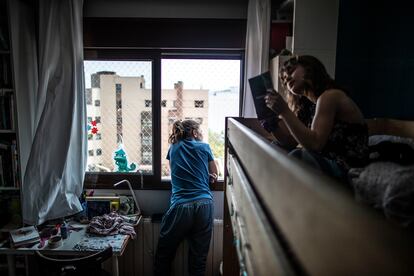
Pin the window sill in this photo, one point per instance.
(148, 185)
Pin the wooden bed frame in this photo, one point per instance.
(284, 218)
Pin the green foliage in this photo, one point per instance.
(216, 141)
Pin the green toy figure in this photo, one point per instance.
(122, 162)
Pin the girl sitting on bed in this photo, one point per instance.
(320, 117)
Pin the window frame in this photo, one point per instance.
(154, 181)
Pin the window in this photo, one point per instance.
(113, 81)
(118, 88)
(204, 90)
(89, 96)
(199, 104)
(146, 138)
(146, 157)
(134, 123)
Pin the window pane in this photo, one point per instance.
(203, 90)
(119, 116)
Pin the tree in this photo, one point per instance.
(216, 141)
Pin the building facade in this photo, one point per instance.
(122, 109)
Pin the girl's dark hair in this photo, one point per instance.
(182, 130)
(316, 77)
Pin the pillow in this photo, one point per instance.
(376, 139)
(399, 153)
(387, 186)
(391, 148)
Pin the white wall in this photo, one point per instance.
(231, 9)
(157, 201)
(315, 26)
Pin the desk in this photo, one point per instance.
(68, 248)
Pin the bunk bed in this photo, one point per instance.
(284, 218)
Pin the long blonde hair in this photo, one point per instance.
(182, 130)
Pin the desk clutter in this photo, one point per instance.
(24, 236)
(96, 243)
(104, 221)
(111, 224)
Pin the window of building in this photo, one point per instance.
(98, 119)
(97, 103)
(198, 104)
(88, 96)
(146, 137)
(146, 157)
(139, 124)
(118, 88)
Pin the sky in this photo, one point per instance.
(195, 73)
(214, 75)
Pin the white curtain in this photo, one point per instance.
(257, 48)
(53, 178)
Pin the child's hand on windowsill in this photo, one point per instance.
(212, 177)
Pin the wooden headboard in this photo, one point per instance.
(391, 127)
(284, 218)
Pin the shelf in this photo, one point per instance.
(10, 226)
(9, 189)
(7, 131)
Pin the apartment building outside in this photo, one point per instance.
(121, 106)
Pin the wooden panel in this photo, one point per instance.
(164, 33)
(149, 250)
(329, 233)
(230, 261)
(391, 127)
(217, 241)
(258, 243)
(139, 251)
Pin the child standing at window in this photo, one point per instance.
(190, 215)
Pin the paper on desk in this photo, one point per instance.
(97, 243)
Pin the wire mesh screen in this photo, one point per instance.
(203, 90)
(118, 100)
